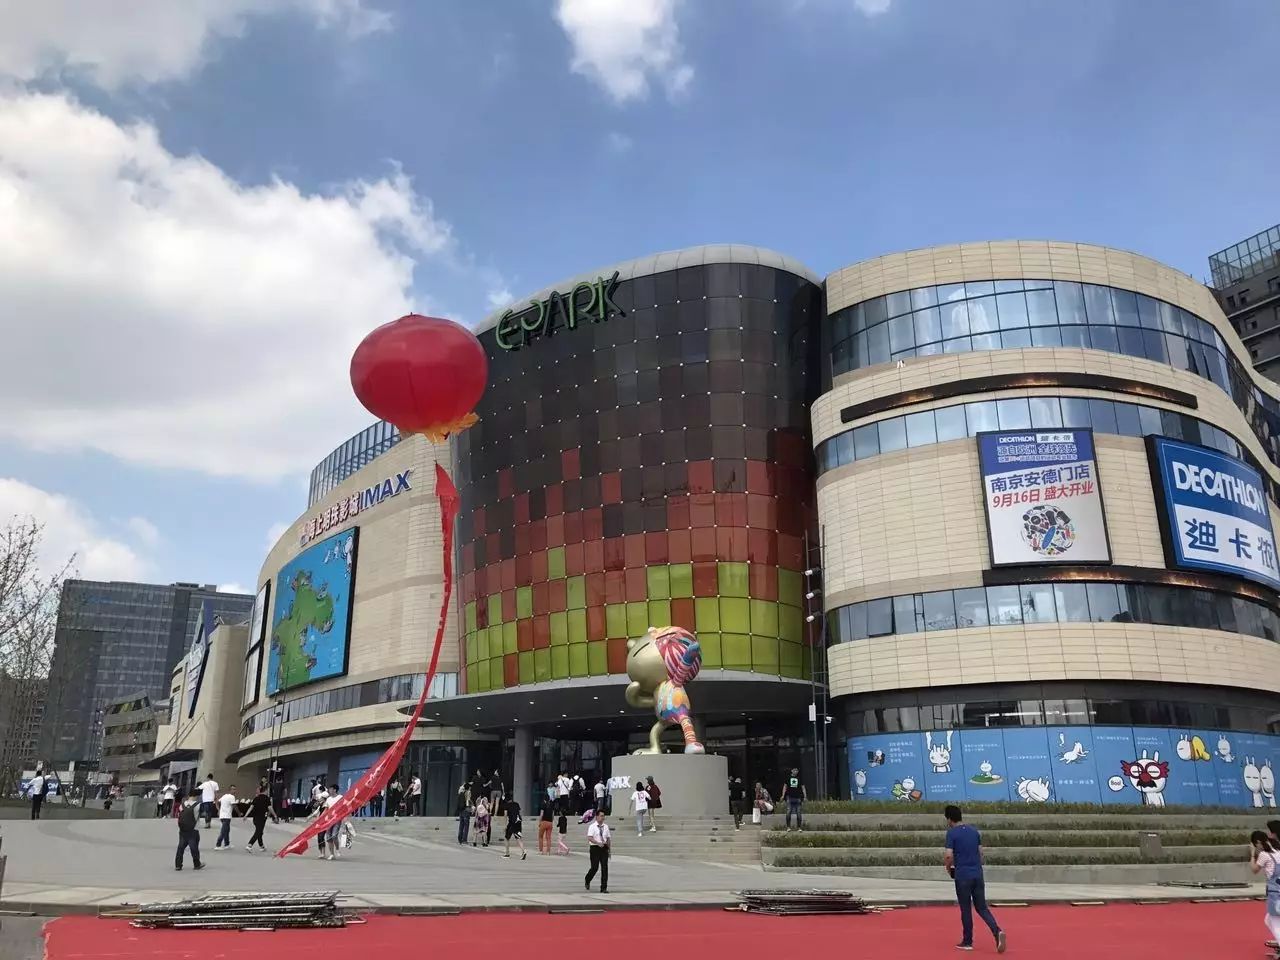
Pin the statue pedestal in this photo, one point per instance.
(693, 785)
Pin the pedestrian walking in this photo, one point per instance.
(317, 788)
(640, 806)
(563, 826)
(1264, 858)
(330, 835)
(259, 810)
(395, 798)
(599, 791)
(36, 791)
(415, 796)
(599, 841)
(208, 796)
(375, 803)
(496, 791)
(563, 785)
(188, 835)
(545, 816)
(168, 795)
(515, 829)
(463, 812)
(655, 802)
(963, 861)
(577, 793)
(226, 810)
(794, 793)
(737, 801)
(480, 831)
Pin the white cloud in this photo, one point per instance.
(159, 311)
(617, 142)
(68, 530)
(144, 531)
(623, 45)
(274, 533)
(497, 298)
(873, 8)
(233, 588)
(146, 41)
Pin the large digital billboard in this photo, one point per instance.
(311, 629)
(1213, 511)
(1043, 497)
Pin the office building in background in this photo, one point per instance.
(1246, 282)
(117, 640)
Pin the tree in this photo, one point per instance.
(29, 600)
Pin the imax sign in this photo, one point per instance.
(348, 507)
(591, 301)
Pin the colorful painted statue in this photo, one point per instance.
(660, 664)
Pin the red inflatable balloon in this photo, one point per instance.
(422, 374)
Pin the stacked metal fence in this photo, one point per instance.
(240, 911)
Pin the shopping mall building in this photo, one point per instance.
(1017, 498)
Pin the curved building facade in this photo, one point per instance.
(1037, 482)
(1046, 487)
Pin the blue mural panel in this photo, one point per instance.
(943, 769)
(890, 765)
(1193, 765)
(1113, 753)
(1258, 759)
(1028, 765)
(1228, 766)
(1075, 766)
(986, 775)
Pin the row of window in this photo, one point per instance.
(1023, 413)
(1058, 602)
(1049, 712)
(369, 693)
(363, 448)
(990, 315)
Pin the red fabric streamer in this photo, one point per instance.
(378, 775)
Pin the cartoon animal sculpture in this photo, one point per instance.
(1224, 750)
(939, 755)
(1148, 777)
(1192, 748)
(660, 664)
(1076, 753)
(1034, 791)
(859, 781)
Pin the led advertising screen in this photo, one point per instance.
(1213, 510)
(252, 677)
(258, 622)
(1043, 497)
(310, 632)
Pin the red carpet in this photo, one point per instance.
(1190, 931)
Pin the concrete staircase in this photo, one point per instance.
(705, 839)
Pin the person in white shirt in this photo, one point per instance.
(35, 790)
(208, 793)
(317, 788)
(563, 783)
(226, 810)
(599, 840)
(599, 790)
(640, 806)
(167, 796)
(415, 796)
(330, 835)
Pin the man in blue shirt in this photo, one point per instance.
(964, 863)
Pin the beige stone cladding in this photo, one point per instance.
(1054, 651)
(912, 521)
(398, 585)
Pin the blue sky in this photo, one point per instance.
(204, 206)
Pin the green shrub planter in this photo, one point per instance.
(1235, 839)
(1241, 823)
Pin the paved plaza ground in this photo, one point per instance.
(1193, 931)
(56, 865)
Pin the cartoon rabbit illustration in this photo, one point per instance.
(939, 755)
(1034, 791)
(1268, 784)
(1149, 777)
(859, 781)
(1252, 775)
(1224, 750)
(1076, 753)
(1192, 748)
